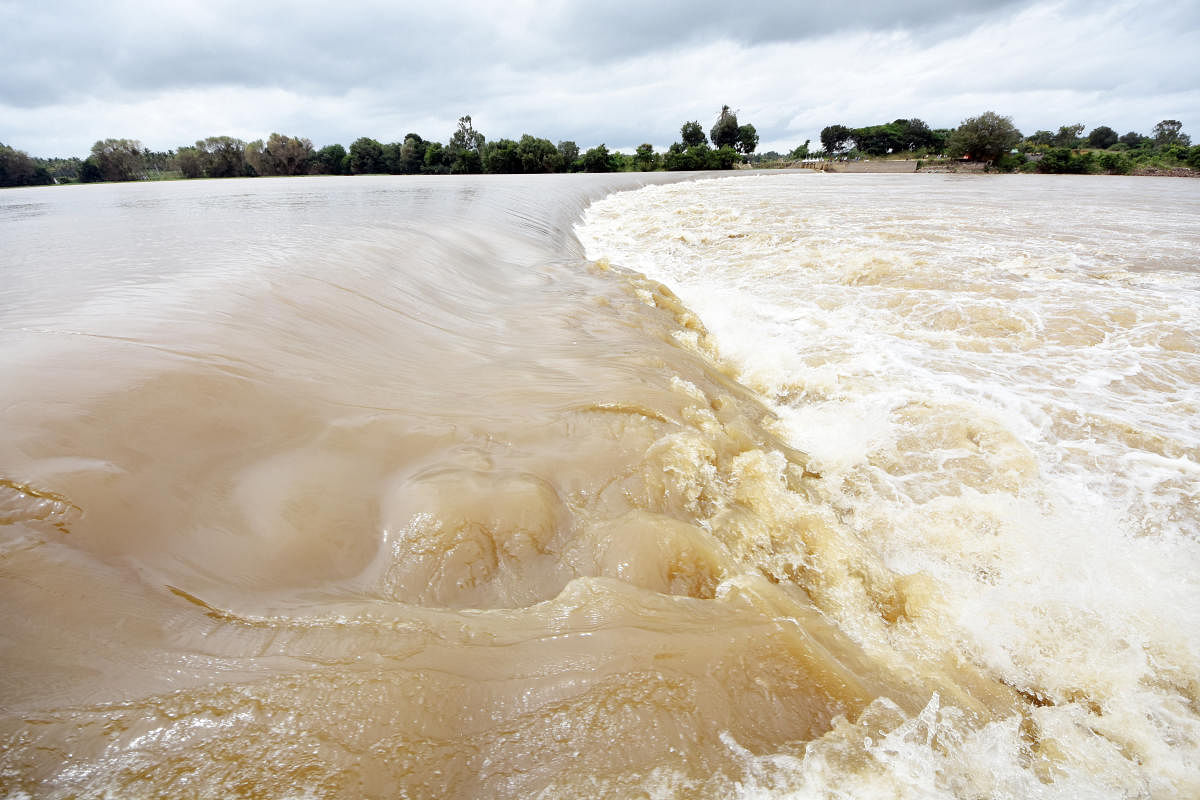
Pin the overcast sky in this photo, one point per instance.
(617, 72)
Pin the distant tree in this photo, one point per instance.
(501, 156)
(878, 140)
(366, 157)
(725, 132)
(747, 139)
(914, 134)
(692, 134)
(801, 152)
(1063, 160)
(1132, 139)
(835, 138)
(645, 159)
(435, 159)
(1042, 138)
(1114, 163)
(412, 154)
(1169, 132)
(1102, 137)
(223, 156)
(65, 170)
(281, 155)
(18, 169)
(465, 150)
(119, 159)
(89, 171)
(597, 160)
(538, 155)
(724, 157)
(569, 151)
(392, 154)
(1068, 136)
(191, 162)
(330, 159)
(984, 138)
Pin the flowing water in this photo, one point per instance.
(791, 485)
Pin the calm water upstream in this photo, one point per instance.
(790, 485)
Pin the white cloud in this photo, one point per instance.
(564, 70)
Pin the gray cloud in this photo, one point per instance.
(619, 72)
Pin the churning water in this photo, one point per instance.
(786, 485)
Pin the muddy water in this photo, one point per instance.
(380, 487)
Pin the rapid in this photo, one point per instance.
(791, 485)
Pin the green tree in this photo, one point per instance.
(835, 138)
(465, 150)
(412, 154)
(366, 157)
(747, 139)
(984, 138)
(1042, 138)
(330, 159)
(281, 155)
(1068, 136)
(538, 155)
(597, 160)
(435, 159)
(18, 169)
(1114, 163)
(1132, 140)
(1169, 132)
(801, 152)
(877, 140)
(501, 156)
(223, 156)
(1102, 137)
(645, 159)
(191, 162)
(692, 134)
(1065, 161)
(914, 134)
(725, 132)
(119, 159)
(569, 151)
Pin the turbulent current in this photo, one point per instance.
(789, 485)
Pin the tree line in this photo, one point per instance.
(466, 152)
(994, 140)
(989, 138)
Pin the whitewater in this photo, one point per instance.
(773, 485)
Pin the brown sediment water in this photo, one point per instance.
(788, 484)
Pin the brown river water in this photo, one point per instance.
(789, 485)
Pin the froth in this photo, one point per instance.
(1000, 397)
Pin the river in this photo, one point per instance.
(775, 485)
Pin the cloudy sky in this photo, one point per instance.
(618, 72)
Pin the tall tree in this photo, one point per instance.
(1169, 132)
(119, 159)
(692, 134)
(645, 159)
(1068, 136)
(725, 132)
(835, 138)
(569, 152)
(1102, 137)
(18, 169)
(412, 154)
(366, 156)
(224, 156)
(984, 138)
(465, 150)
(331, 160)
(747, 139)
